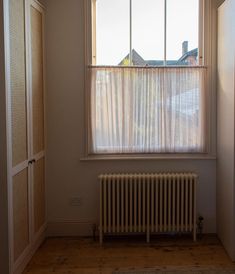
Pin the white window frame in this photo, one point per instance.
(207, 57)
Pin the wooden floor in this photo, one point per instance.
(85, 256)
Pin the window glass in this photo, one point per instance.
(182, 32)
(148, 32)
(112, 31)
(146, 41)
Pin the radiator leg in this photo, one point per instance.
(194, 234)
(148, 237)
(101, 237)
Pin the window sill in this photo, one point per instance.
(153, 157)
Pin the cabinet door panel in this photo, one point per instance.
(37, 97)
(20, 213)
(39, 195)
(19, 185)
(37, 80)
(18, 82)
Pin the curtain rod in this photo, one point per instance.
(146, 67)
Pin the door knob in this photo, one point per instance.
(31, 161)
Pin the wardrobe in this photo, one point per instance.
(26, 116)
(226, 127)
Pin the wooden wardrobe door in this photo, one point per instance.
(19, 183)
(37, 117)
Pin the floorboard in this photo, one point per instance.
(86, 256)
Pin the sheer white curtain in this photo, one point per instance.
(147, 110)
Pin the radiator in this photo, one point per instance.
(147, 203)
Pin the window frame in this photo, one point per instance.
(207, 58)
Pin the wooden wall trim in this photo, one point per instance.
(4, 247)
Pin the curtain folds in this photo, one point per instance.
(147, 110)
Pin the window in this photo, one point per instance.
(147, 77)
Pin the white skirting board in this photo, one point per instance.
(66, 228)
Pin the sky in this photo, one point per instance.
(113, 29)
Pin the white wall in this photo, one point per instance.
(4, 260)
(226, 136)
(67, 176)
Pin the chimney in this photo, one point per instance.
(184, 47)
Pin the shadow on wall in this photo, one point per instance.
(219, 2)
